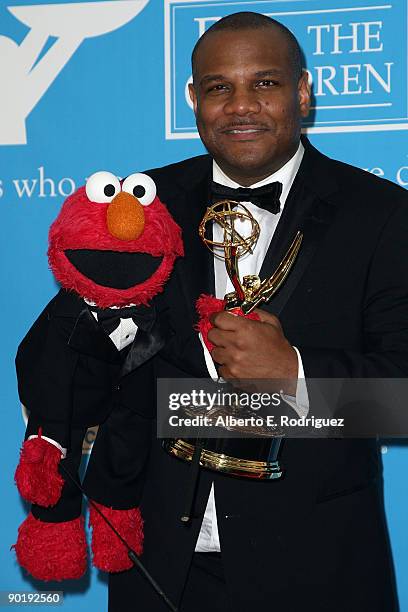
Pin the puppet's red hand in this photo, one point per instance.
(109, 553)
(207, 305)
(37, 477)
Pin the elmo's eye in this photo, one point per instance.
(102, 187)
(141, 186)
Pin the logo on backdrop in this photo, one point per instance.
(355, 54)
(27, 70)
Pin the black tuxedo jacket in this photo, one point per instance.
(71, 377)
(316, 539)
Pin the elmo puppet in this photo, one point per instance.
(87, 361)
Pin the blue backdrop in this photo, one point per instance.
(102, 85)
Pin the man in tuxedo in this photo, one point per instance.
(315, 540)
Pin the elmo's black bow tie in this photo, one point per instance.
(109, 318)
(266, 197)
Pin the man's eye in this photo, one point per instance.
(267, 83)
(218, 87)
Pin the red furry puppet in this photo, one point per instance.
(87, 361)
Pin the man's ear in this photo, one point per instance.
(304, 92)
(193, 96)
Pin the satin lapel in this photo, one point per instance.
(196, 269)
(86, 337)
(89, 338)
(144, 346)
(313, 228)
(307, 211)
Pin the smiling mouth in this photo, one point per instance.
(244, 130)
(114, 269)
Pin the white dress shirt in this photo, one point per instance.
(208, 539)
(125, 332)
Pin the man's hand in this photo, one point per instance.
(247, 349)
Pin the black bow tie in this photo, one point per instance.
(266, 197)
(109, 318)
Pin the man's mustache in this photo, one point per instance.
(233, 125)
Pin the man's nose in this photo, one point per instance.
(125, 217)
(242, 101)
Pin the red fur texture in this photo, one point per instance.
(52, 551)
(82, 224)
(207, 305)
(109, 553)
(37, 477)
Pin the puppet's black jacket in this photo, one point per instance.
(70, 374)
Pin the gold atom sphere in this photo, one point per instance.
(225, 213)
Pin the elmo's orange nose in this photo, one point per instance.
(125, 217)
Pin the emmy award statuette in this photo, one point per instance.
(255, 456)
(251, 292)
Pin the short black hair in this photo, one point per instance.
(247, 20)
